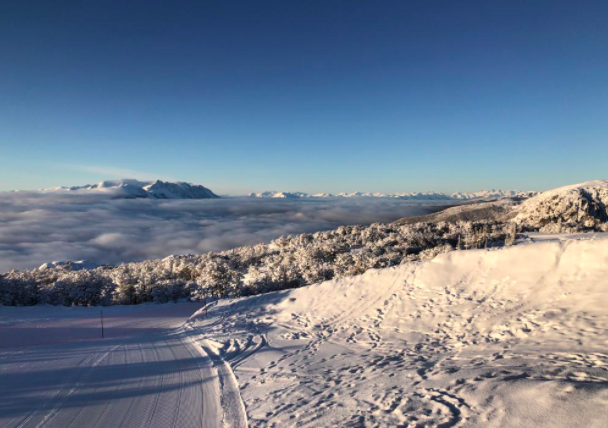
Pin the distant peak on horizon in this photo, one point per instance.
(482, 194)
(128, 188)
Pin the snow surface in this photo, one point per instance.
(131, 189)
(514, 337)
(511, 337)
(56, 371)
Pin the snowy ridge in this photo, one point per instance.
(573, 208)
(491, 194)
(482, 194)
(280, 195)
(131, 189)
(470, 338)
(68, 265)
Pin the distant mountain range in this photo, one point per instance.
(132, 189)
(482, 194)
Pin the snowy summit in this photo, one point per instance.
(130, 189)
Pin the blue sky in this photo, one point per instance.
(311, 96)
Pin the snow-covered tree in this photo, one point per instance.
(287, 262)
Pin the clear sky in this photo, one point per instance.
(302, 95)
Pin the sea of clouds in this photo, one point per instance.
(39, 227)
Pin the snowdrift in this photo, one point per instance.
(499, 338)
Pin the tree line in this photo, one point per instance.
(287, 262)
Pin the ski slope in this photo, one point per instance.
(511, 337)
(56, 371)
(514, 337)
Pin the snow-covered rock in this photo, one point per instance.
(132, 189)
(573, 208)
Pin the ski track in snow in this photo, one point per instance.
(145, 373)
(499, 338)
(509, 337)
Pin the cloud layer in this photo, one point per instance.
(37, 227)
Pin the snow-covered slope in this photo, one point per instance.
(572, 208)
(58, 371)
(515, 337)
(425, 196)
(478, 211)
(128, 188)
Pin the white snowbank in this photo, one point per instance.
(509, 337)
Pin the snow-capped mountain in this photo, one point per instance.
(426, 196)
(280, 195)
(130, 189)
(573, 208)
(493, 194)
(164, 190)
(69, 265)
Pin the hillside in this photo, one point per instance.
(477, 211)
(501, 338)
(574, 208)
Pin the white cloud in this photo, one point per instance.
(110, 240)
(38, 227)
